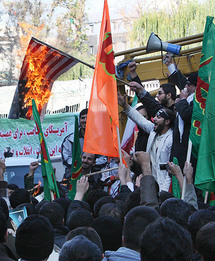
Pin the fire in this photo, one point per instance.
(37, 86)
(27, 31)
(37, 188)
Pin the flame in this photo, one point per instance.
(27, 31)
(37, 85)
(37, 188)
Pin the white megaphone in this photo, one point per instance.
(155, 44)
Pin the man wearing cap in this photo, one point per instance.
(160, 139)
(35, 238)
(67, 145)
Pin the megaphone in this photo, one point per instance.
(155, 44)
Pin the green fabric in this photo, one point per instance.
(176, 191)
(204, 76)
(76, 169)
(49, 180)
(205, 172)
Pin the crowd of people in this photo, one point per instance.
(127, 212)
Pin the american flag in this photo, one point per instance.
(42, 65)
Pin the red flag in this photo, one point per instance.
(42, 65)
(102, 118)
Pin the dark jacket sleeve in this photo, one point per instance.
(124, 192)
(148, 101)
(149, 192)
(178, 79)
(3, 189)
(185, 110)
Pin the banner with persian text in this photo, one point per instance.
(21, 135)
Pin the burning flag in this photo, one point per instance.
(42, 65)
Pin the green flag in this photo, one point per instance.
(205, 171)
(50, 186)
(176, 191)
(76, 170)
(204, 77)
(203, 122)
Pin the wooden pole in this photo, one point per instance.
(119, 145)
(100, 171)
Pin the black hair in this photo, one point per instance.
(176, 209)
(89, 233)
(3, 227)
(79, 218)
(29, 207)
(95, 195)
(132, 200)
(169, 88)
(83, 112)
(54, 212)
(205, 241)
(80, 248)
(64, 203)
(110, 232)
(99, 203)
(165, 240)
(198, 219)
(18, 197)
(4, 207)
(135, 223)
(171, 117)
(12, 186)
(39, 205)
(112, 210)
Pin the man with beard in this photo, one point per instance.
(67, 145)
(160, 139)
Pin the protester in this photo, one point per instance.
(35, 238)
(80, 248)
(67, 145)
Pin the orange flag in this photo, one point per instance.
(102, 118)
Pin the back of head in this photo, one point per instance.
(34, 238)
(39, 205)
(198, 219)
(99, 203)
(18, 197)
(80, 249)
(176, 209)
(169, 88)
(112, 210)
(135, 223)
(4, 207)
(132, 200)
(165, 240)
(80, 218)
(64, 203)
(29, 207)
(95, 195)
(110, 232)
(54, 212)
(89, 233)
(205, 241)
(3, 227)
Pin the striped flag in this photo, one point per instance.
(42, 65)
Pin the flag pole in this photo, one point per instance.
(119, 145)
(69, 56)
(188, 161)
